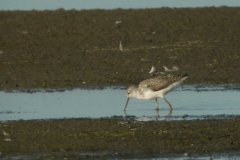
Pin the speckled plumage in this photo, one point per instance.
(154, 88)
(159, 82)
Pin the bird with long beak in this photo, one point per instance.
(154, 88)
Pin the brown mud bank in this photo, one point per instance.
(116, 136)
(76, 48)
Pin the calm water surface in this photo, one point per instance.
(188, 103)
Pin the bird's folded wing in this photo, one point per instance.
(158, 83)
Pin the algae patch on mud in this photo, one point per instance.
(57, 49)
(116, 135)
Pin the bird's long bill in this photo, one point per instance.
(126, 104)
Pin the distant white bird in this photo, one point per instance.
(153, 69)
(7, 139)
(120, 46)
(118, 22)
(5, 133)
(166, 68)
(174, 68)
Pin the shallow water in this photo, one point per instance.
(187, 101)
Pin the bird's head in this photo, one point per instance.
(130, 91)
(130, 94)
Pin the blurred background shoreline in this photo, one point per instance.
(109, 4)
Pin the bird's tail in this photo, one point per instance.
(186, 75)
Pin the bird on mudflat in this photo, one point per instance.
(153, 69)
(120, 46)
(174, 68)
(154, 88)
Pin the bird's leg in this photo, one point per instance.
(156, 104)
(168, 103)
(157, 114)
(170, 112)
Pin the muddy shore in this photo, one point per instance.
(57, 49)
(73, 48)
(119, 137)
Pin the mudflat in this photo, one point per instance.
(118, 137)
(57, 49)
(81, 48)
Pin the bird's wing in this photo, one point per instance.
(159, 82)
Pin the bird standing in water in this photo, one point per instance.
(154, 88)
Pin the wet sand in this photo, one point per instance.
(56, 49)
